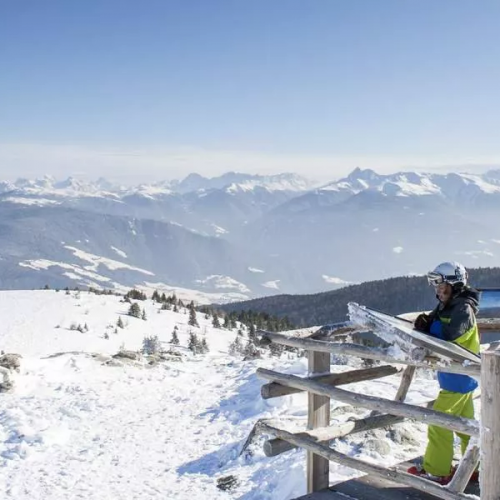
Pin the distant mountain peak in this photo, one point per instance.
(366, 174)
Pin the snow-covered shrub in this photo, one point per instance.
(151, 345)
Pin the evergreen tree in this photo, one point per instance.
(204, 346)
(251, 351)
(134, 310)
(175, 339)
(165, 306)
(193, 321)
(144, 315)
(136, 295)
(227, 323)
(193, 344)
(252, 333)
(236, 346)
(276, 349)
(215, 321)
(119, 323)
(176, 309)
(156, 296)
(163, 297)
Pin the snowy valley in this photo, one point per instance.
(80, 423)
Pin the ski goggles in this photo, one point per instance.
(436, 279)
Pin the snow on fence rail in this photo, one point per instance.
(321, 387)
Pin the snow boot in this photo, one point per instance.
(418, 470)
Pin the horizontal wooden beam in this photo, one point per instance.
(274, 447)
(457, 424)
(277, 446)
(275, 390)
(390, 474)
(473, 369)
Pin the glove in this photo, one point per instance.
(423, 323)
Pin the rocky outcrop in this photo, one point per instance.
(8, 364)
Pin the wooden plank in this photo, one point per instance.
(457, 424)
(406, 380)
(274, 390)
(275, 447)
(375, 488)
(391, 474)
(324, 495)
(318, 467)
(404, 330)
(466, 467)
(490, 426)
(472, 369)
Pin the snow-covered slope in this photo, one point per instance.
(75, 426)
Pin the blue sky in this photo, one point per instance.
(162, 87)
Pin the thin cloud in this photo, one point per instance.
(156, 163)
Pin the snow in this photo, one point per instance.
(31, 201)
(219, 230)
(219, 281)
(38, 264)
(255, 270)
(483, 185)
(272, 284)
(334, 281)
(280, 182)
(476, 253)
(197, 296)
(74, 271)
(76, 427)
(121, 253)
(96, 261)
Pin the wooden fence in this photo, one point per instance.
(322, 386)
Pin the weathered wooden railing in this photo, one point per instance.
(322, 386)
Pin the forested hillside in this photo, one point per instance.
(393, 295)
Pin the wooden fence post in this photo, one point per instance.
(490, 425)
(318, 468)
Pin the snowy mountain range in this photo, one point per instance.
(239, 236)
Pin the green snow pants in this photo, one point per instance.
(439, 453)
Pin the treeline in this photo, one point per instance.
(253, 320)
(393, 295)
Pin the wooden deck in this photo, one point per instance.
(373, 488)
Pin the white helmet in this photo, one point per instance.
(453, 273)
